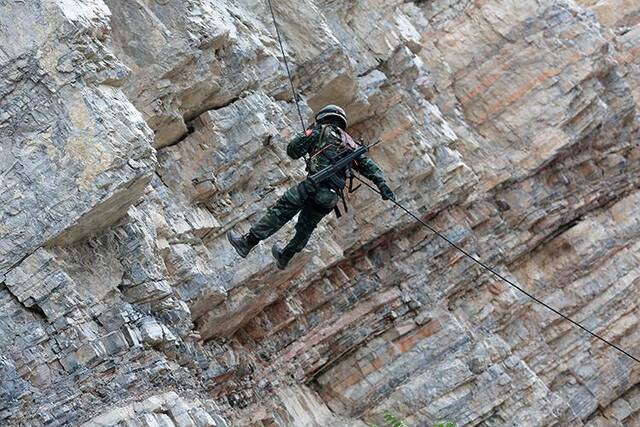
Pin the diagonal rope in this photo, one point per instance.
(433, 230)
(286, 64)
(500, 276)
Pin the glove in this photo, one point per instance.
(386, 192)
(309, 130)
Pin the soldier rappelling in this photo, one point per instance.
(332, 153)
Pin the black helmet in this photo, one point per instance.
(333, 111)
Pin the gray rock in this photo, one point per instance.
(66, 136)
(512, 127)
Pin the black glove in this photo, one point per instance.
(386, 192)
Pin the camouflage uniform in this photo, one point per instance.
(321, 142)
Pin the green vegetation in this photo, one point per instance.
(393, 421)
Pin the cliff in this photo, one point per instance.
(135, 133)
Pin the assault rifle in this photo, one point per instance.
(343, 163)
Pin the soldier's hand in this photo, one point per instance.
(386, 192)
(311, 128)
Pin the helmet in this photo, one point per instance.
(332, 111)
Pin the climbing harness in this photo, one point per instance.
(432, 229)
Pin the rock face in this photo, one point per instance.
(134, 134)
(74, 152)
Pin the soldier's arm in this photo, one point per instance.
(299, 146)
(370, 170)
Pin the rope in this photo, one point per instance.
(286, 64)
(433, 230)
(500, 276)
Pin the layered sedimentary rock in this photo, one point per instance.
(134, 134)
(75, 152)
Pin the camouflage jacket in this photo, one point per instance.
(324, 142)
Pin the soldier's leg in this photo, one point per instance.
(284, 209)
(308, 220)
(279, 214)
(316, 208)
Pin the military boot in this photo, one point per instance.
(242, 244)
(281, 259)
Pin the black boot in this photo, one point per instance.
(242, 244)
(281, 259)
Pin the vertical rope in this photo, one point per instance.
(286, 64)
(474, 259)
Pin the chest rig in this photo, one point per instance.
(333, 145)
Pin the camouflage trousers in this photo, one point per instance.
(313, 206)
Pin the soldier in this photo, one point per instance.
(323, 142)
